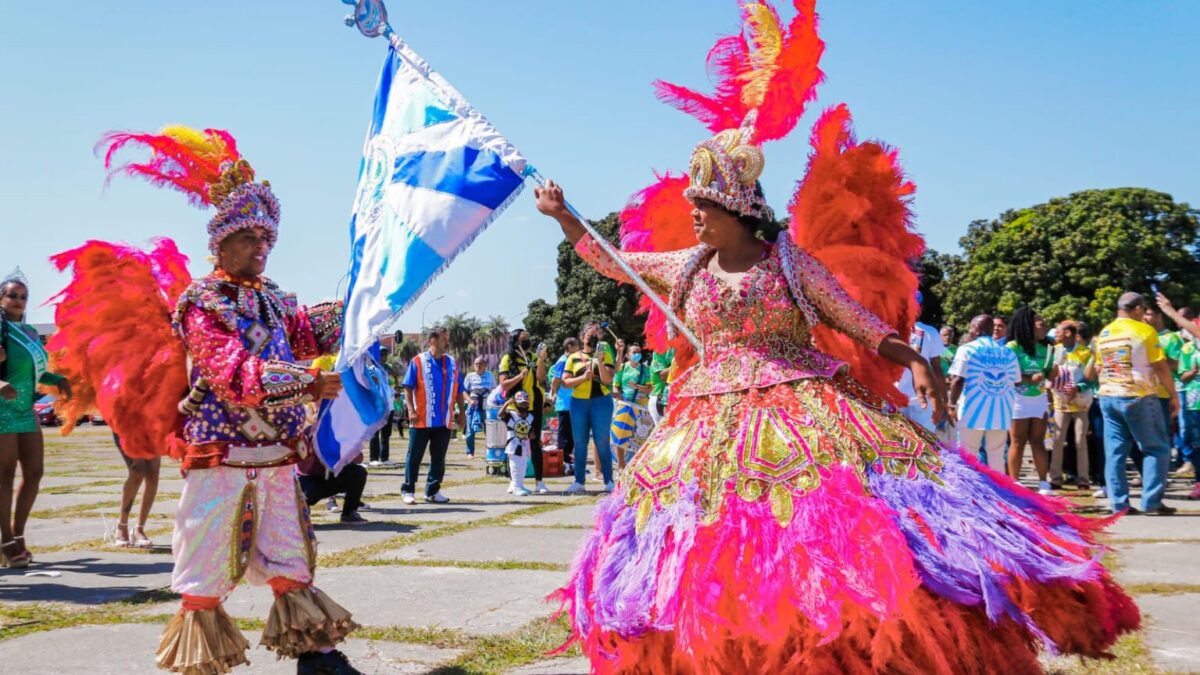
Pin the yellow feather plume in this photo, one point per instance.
(207, 146)
(766, 41)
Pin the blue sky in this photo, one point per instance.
(992, 105)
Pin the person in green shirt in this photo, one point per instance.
(949, 338)
(589, 373)
(660, 370)
(631, 424)
(23, 365)
(1027, 338)
(1189, 377)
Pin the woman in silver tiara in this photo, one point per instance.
(23, 366)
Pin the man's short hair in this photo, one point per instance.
(480, 359)
(1130, 301)
(570, 343)
(434, 331)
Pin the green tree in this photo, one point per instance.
(1071, 257)
(461, 331)
(584, 295)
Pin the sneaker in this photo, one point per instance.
(363, 506)
(568, 469)
(576, 489)
(352, 518)
(1045, 489)
(408, 498)
(374, 464)
(439, 498)
(1083, 486)
(1162, 510)
(609, 486)
(1100, 493)
(521, 492)
(511, 487)
(332, 506)
(542, 489)
(316, 663)
(1129, 511)
(1186, 470)
(1195, 493)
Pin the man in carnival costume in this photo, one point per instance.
(241, 426)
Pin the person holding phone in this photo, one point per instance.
(589, 373)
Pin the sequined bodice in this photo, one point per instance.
(754, 335)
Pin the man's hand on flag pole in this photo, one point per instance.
(329, 385)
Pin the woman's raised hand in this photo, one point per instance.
(550, 200)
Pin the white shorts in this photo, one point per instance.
(1030, 407)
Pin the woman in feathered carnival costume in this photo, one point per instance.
(786, 518)
(129, 323)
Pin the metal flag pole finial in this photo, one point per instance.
(370, 17)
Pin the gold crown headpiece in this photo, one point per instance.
(725, 169)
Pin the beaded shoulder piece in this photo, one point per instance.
(227, 300)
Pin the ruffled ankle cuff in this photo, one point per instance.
(305, 620)
(201, 642)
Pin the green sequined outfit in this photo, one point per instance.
(16, 416)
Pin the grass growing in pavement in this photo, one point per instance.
(1153, 588)
(1132, 658)
(363, 554)
(530, 643)
(443, 638)
(471, 564)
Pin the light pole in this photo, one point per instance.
(440, 297)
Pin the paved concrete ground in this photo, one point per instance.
(456, 588)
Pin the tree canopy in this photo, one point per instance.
(584, 295)
(1073, 256)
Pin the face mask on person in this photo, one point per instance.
(592, 341)
(636, 357)
(526, 344)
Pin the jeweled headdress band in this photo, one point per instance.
(725, 169)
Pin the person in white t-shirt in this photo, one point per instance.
(981, 393)
(926, 341)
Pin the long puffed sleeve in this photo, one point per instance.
(234, 374)
(660, 270)
(834, 304)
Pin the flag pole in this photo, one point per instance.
(370, 17)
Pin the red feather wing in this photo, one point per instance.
(851, 211)
(116, 345)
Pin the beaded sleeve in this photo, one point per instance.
(316, 331)
(660, 270)
(834, 305)
(235, 375)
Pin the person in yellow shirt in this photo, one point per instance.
(589, 373)
(1131, 366)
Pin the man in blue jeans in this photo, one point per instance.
(589, 372)
(431, 394)
(1132, 370)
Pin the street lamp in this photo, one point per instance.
(440, 297)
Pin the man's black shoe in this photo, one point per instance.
(316, 663)
(1162, 510)
(352, 518)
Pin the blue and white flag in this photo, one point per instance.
(434, 174)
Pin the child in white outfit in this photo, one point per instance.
(517, 416)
